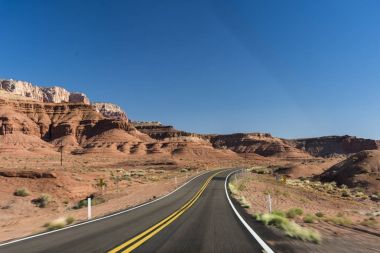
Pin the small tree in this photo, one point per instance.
(101, 184)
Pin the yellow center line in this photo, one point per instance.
(162, 224)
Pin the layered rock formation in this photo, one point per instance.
(51, 116)
(333, 145)
(53, 94)
(160, 132)
(73, 123)
(110, 110)
(259, 143)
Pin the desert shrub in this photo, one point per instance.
(59, 223)
(21, 192)
(290, 228)
(309, 218)
(375, 197)
(319, 214)
(241, 187)
(371, 222)
(233, 188)
(42, 201)
(94, 201)
(339, 220)
(361, 195)
(243, 202)
(56, 224)
(296, 231)
(346, 193)
(279, 213)
(69, 220)
(260, 170)
(293, 212)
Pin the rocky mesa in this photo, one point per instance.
(52, 94)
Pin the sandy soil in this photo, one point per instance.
(74, 181)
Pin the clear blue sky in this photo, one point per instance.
(292, 68)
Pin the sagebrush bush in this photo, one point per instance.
(21, 192)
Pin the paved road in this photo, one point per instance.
(196, 218)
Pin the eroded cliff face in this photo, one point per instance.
(53, 94)
(110, 110)
(52, 121)
(333, 145)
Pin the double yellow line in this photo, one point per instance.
(136, 241)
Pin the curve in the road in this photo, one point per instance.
(139, 239)
(245, 224)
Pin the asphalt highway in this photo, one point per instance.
(195, 218)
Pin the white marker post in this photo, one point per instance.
(175, 181)
(89, 208)
(270, 203)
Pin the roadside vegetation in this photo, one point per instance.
(288, 226)
(257, 184)
(279, 219)
(21, 192)
(42, 201)
(59, 223)
(94, 201)
(235, 189)
(329, 188)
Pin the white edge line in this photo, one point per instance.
(101, 218)
(250, 230)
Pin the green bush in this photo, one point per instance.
(293, 212)
(309, 218)
(42, 201)
(21, 192)
(279, 213)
